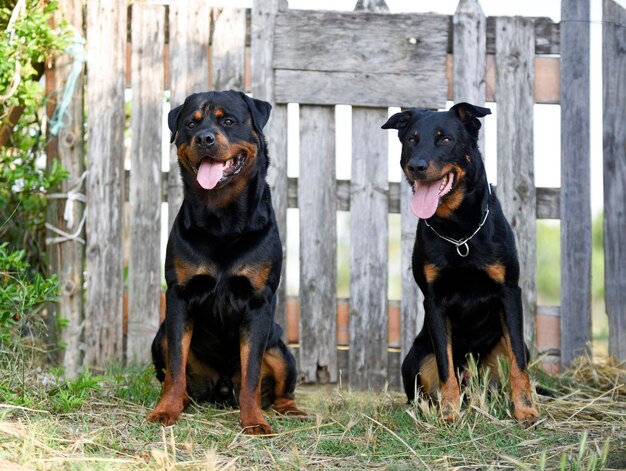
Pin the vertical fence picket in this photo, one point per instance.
(144, 270)
(106, 26)
(575, 181)
(368, 250)
(470, 56)
(515, 54)
(412, 305)
(614, 119)
(228, 48)
(68, 256)
(262, 72)
(317, 198)
(189, 73)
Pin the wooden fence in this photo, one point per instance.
(371, 60)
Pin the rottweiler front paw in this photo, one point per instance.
(257, 429)
(163, 417)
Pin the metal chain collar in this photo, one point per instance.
(458, 243)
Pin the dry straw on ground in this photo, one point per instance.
(582, 427)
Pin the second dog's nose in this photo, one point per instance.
(206, 138)
(418, 166)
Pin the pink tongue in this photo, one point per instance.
(425, 199)
(209, 173)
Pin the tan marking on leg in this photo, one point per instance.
(274, 364)
(496, 271)
(450, 391)
(490, 361)
(431, 272)
(251, 417)
(199, 374)
(428, 375)
(524, 408)
(174, 396)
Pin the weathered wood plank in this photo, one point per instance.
(189, 73)
(425, 89)
(470, 56)
(548, 199)
(516, 182)
(614, 119)
(106, 26)
(262, 74)
(547, 35)
(361, 42)
(320, 55)
(547, 85)
(412, 304)
(318, 245)
(368, 250)
(228, 48)
(68, 257)
(575, 181)
(144, 267)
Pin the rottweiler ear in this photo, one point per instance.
(397, 121)
(172, 121)
(469, 113)
(259, 110)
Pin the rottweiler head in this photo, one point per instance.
(219, 137)
(438, 150)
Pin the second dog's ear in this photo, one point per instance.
(172, 121)
(397, 121)
(259, 110)
(469, 113)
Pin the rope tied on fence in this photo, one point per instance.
(73, 194)
(60, 118)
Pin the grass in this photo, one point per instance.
(582, 427)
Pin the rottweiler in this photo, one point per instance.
(464, 261)
(219, 341)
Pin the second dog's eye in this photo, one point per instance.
(446, 140)
(228, 122)
(191, 124)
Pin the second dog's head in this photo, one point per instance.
(438, 149)
(219, 137)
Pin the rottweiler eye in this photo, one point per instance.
(445, 140)
(228, 122)
(191, 124)
(412, 139)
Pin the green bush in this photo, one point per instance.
(24, 180)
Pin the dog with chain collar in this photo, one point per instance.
(464, 261)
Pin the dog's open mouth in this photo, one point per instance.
(427, 195)
(210, 172)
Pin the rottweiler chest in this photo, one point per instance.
(206, 281)
(467, 292)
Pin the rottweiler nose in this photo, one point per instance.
(418, 166)
(205, 138)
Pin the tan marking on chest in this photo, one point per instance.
(186, 271)
(431, 272)
(496, 272)
(257, 273)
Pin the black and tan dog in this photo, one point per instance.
(464, 260)
(219, 341)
